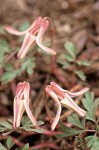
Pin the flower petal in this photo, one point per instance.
(18, 112)
(26, 102)
(29, 113)
(29, 40)
(61, 92)
(53, 95)
(77, 93)
(69, 103)
(40, 37)
(57, 90)
(13, 31)
(36, 24)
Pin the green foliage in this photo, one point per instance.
(8, 76)
(92, 141)
(28, 126)
(4, 49)
(73, 119)
(28, 65)
(69, 59)
(5, 125)
(10, 73)
(4, 46)
(90, 105)
(67, 131)
(26, 146)
(9, 142)
(71, 48)
(81, 75)
(83, 63)
(2, 147)
(25, 25)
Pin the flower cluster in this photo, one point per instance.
(59, 95)
(34, 34)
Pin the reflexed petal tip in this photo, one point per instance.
(13, 31)
(69, 103)
(39, 38)
(78, 93)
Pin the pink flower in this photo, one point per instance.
(34, 34)
(64, 97)
(21, 103)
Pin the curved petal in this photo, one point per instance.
(13, 31)
(54, 97)
(40, 37)
(29, 113)
(27, 43)
(77, 93)
(69, 103)
(61, 92)
(36, 24)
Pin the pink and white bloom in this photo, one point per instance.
(64, 98)
(34, 34)
(21, 103)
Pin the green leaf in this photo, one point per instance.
(26, 147)
(8, 67)
(90, 140)
(73, 119)
(25, 25)
(88, 100)
(95, 145)
(64, 64)
(69, 58)
(2, 147)
(67, 131)
(6, 125)
(30, 69)
(9, 142)
(38, 130)
(71, 48)
(90, 105)
(81, 75)
(27, 122)
(2, 129)
(28, 65)
(62, 61)
(40, 122)
(4, 46)
(83, 63)
(8, 76)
